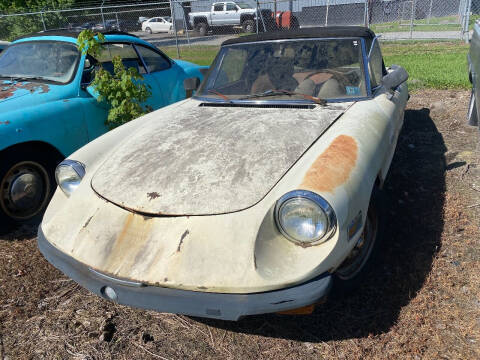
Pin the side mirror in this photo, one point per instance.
(395, 78)
(190, 85)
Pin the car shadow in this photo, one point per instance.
(416, 192)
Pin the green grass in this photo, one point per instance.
(198, 54)
(447, 23)
(439, 65)
(434, 24)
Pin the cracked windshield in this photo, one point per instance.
(288, 70)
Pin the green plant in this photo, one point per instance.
(123, 90)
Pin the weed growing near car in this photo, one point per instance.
(122, 90)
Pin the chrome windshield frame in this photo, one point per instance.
(364, 58)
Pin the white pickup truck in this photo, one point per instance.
(229, 14)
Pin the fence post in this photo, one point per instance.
(43, 21)
(430, 12)
(412, 16)
(326, 13)
(466, 30)
(256, 16)
(185, 24)
(365, 15)
(172, 13)
(101, 11)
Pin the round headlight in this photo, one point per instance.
(69, 174)
(305, 217)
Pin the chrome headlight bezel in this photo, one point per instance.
(77, 167)
(318, 201)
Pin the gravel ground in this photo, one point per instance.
(422, 302)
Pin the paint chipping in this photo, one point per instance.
(9, 89)
(184, 235)
(202, 287)
(333, 167)
(153, 195)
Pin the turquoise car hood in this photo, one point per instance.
(19, 95)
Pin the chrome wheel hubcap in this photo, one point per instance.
(24, 190)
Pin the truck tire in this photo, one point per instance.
(248, 26)
(202, 29)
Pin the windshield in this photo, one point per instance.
(45, 60)
(325, 69)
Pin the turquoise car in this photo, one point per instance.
(48, 110)
(3, 45)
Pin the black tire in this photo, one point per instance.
(201, 29)
(27, 182)
(148, 30)
(248, 26)
(472, 115)
(358, 264)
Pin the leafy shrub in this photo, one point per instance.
(123, 91)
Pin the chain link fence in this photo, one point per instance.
(179, 23)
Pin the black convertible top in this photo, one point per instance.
(321, 32)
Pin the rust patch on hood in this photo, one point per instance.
(8, 90)
(333, 167)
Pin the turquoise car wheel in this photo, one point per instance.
(25, 190)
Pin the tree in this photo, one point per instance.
(12, 27)
(123, 90)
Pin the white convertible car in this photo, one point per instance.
(259, 194)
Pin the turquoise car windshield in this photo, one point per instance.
(45, 60)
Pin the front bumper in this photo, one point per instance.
(193, 303)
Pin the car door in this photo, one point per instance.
(218, 14)
(168, 75)
(152, 24)
(232, 16)
(158, 25)
(96, 112)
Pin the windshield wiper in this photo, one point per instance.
(273, 92)
(224, 97)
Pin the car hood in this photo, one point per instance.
(22, 94)
(197, 160)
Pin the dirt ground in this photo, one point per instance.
(422, 302)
